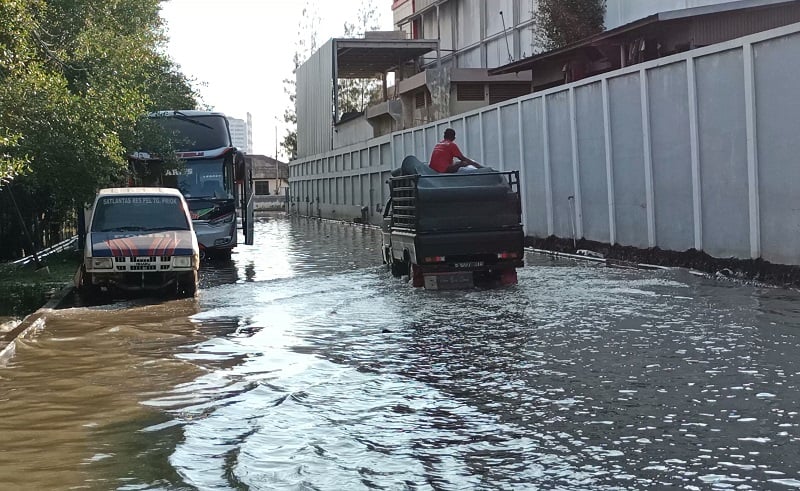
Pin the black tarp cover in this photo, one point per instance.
(479, 199)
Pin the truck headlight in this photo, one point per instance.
(182, 261)
(102, 263)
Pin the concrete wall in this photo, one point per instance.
(696, 150)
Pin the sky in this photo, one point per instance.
(240, 52)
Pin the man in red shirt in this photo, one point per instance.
(445, 151)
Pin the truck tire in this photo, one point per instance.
(398, 268)
(187, 285)
(83, 284)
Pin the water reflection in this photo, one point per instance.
(304, 364)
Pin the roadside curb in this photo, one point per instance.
(30, 324)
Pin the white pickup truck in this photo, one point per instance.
(140, 239)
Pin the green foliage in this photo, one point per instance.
(356, 94)
(75, 77)
(562, 22)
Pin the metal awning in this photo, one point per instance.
(366, 58)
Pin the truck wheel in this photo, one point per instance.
(84, 286)
(398, 268)
(187, 285)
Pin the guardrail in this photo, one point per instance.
(55, 249)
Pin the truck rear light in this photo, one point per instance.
(435, 259)
(507, 255)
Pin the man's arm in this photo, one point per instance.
(465, 162)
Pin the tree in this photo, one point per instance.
(562, 22)
(356, 94)
(75, 76)
(305, 46)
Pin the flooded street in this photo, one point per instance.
(303, 364)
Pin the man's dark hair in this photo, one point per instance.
(450, 134)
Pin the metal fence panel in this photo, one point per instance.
(535, 187)
(671, 155)
(723, 154)
(592, 162)
(561, 176)
(778, 127)
(630, 212)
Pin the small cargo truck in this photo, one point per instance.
(139, 239)
(447, 231)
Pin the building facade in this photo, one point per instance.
(242, 133)
(465, 39)
(270, 181)
(692, 150)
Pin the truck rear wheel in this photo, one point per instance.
(398, 268)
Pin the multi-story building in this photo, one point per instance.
(443, 60)
(242, 133)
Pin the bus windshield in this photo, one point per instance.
(204, 179)
(195, 133)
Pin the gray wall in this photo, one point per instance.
(696, 150)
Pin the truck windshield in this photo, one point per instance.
(139, 213)
(195, 133)
(204, 179)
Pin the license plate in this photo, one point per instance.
(469, 264)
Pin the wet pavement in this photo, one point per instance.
(303, 364)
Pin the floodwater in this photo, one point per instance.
(303, 364)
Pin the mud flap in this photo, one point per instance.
(416, 276)
(508, 277)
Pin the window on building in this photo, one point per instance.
(421, 98)
(504, 92)
(470, 92)
(262, 188)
